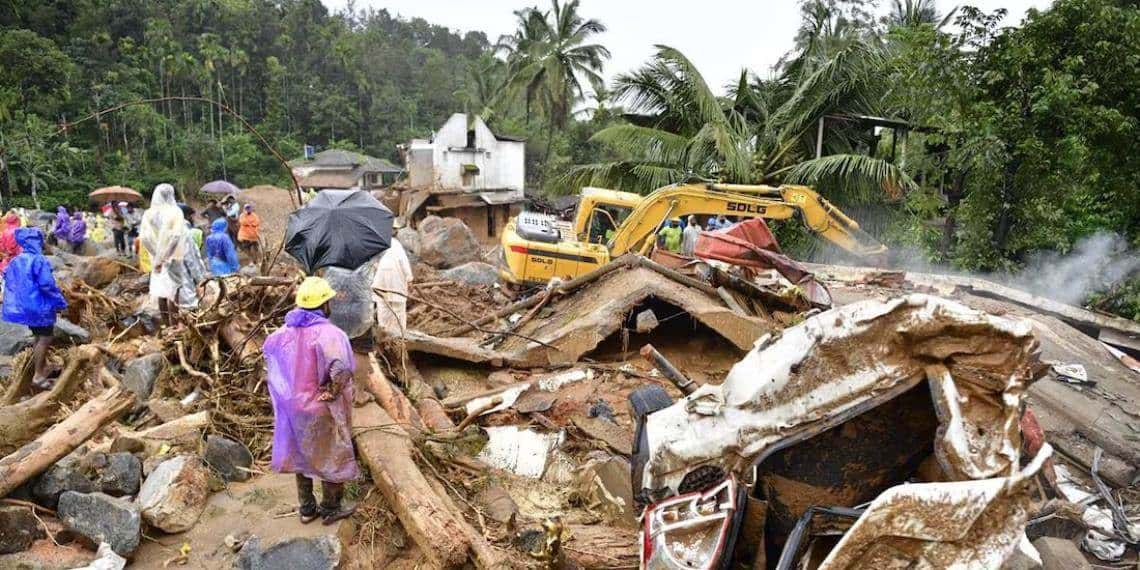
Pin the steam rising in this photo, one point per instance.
(1094, 264)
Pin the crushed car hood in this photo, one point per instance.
(844, 361)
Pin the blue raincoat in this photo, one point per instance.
(220, 250)
(31, 296)
(310, 437)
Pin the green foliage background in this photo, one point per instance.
(1029, 140)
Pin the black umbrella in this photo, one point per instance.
(344, 228)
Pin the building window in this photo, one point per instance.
(490, 220)
(469, 172)
(470, 138)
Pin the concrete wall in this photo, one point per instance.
(501, 164)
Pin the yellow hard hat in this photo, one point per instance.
(314, 292)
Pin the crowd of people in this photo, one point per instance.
(166, 239)
(678, 238)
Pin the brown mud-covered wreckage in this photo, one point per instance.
(659, 412)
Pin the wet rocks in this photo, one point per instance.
(499, 504)
(473, 273)
(140, 375)
(228, 457)
(66, 475)
(18, 529)
(117, 474)
(446, 242)
(410, 239)
(14, 338)
(98, 272)
(646, 321)
(1060, 554)
(174, 494)
(68, 331)
(102, 518)
(301, 553)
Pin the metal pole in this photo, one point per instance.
(819, 138)
(667, 369)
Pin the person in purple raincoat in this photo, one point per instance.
(77, 232)
(62, 225)
(310, 365)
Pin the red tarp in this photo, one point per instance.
(751, 244)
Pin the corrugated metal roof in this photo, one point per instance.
(502, 197)
(346, 158)
(341, 179)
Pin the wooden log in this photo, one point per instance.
(434, 416)
(486, 557)
(21, 422)
(35, 457)
(394, 402)
(386, 449)
(20, 383)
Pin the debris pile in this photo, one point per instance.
(667, 412)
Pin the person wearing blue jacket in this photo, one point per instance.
(220, 250)
(32, 298)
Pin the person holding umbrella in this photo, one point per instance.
(213, 211)
(309, 365)
(119, 229)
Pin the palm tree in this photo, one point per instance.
(680, 130)
(552, 57)
(909, 13)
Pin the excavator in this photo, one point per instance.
(609, 223)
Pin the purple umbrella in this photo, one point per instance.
(220, 187)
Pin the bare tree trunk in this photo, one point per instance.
(429, 521)
(35, 197)
(35, 457)
(20, 422)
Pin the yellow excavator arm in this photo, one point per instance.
(533, 251)
(638, 230)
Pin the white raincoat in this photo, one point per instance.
(163, 232)
(393, 273)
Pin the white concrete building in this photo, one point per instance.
(472, 159)
(467, 171)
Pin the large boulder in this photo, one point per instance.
(473, 273)
(447, 242)
(140, 375)
(14, 338)
(66, 475)
(18, 529)
(70, 332)
(229, 458)
(98, 272)
(299, 553)
(102, 518)
(117, 474)
(410, 239)
(174, 494)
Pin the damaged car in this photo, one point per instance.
(884, 433)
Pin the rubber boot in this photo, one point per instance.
(332, 503)
(308, 509)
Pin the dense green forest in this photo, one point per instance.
(1023, 137)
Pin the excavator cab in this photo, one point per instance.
(601, 212)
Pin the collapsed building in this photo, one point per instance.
(651, 413)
